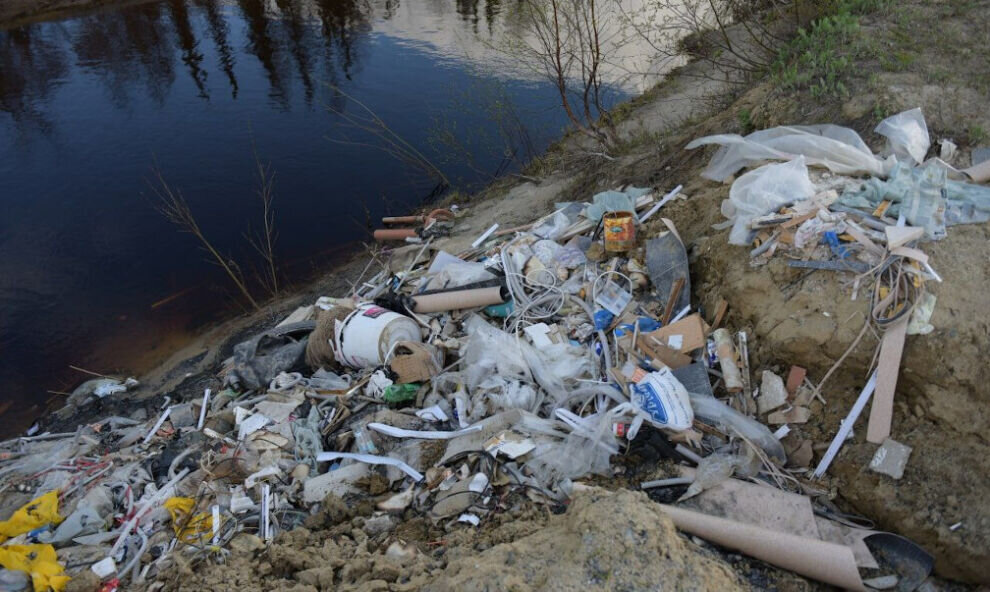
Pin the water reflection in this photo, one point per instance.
(141, 48)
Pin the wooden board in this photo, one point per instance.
(882, 410)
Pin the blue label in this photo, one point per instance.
(649, 400)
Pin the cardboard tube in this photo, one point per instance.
(386, 234)
(815, 559)
(460, 299)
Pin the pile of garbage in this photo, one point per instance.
(449, 383)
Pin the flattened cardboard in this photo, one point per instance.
(691, 328)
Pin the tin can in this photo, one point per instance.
(620, 231)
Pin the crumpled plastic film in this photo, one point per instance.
(762, 191)
(837, 148)
(188, 530)
(39, 561)
(614, 201)
(907, 135)
(35, 514)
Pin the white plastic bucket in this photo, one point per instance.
(365, 337)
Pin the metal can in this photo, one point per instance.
(620, 231)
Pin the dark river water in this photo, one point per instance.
(91, 275)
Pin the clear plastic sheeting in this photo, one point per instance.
(762, 191)
(732, 421)
(586, 450)
(836, 148)
(839, 149)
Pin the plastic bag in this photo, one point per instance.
(455, 275)
(664, 400)
(763, 191)
(712, 470)
(553, 227)
(40, 561)
(503, 395)
(728, 418)
(587, 449)
(490, 350)
(928, 198)
(39, 512)
(614, 201)
(907, 135)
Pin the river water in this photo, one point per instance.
(201, 90)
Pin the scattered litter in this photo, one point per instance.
(453, 385)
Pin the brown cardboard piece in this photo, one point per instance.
(412, 362)
(689, 332)
(658, 351)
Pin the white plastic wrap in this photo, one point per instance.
(839, 149)
(762, 191)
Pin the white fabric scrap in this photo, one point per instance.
(423, 435)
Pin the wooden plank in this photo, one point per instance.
(720, 311)
(882, 411)
(799, 219)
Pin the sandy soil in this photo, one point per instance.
(605, 541)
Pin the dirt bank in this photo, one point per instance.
(605, 541)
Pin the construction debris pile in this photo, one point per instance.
(452, 385)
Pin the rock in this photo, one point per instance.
(320, 577)
(300, 472)
(379, 525)
(890, 459)
(401, 552)
(84, 581)
(246, 543)
(398, 502)
(792, 415)
(772, 393)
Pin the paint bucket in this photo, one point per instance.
(365, 337)
(619, 231)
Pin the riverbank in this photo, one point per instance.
(891, 61)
